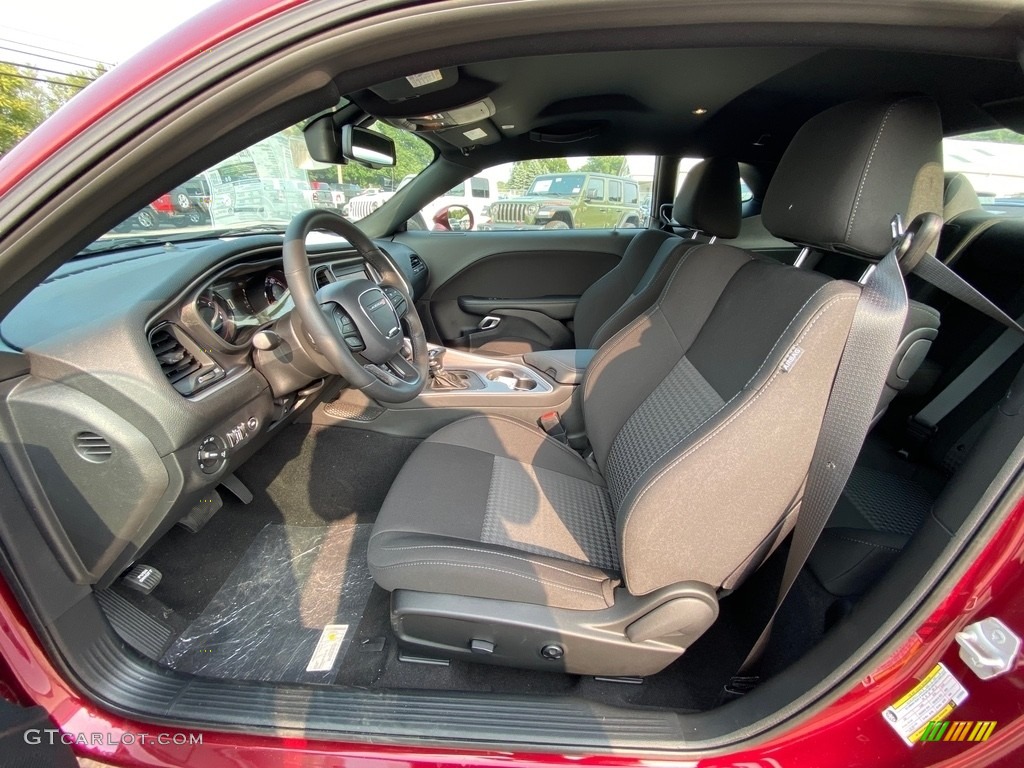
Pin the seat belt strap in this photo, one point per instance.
(988, 362)
(970, 378)
(870, 348)
(946, 280)
(863, 368)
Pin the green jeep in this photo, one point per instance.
(570, 201)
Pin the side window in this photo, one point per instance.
(555, 193)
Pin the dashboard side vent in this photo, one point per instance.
(176, 361)
(323, 276)
(93, 447)
(417, 264)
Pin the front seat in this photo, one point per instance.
(708, 204)
(503, 545)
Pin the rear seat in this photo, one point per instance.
(897, 478)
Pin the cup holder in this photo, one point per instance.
(512, 380)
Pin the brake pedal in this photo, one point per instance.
(142, 578)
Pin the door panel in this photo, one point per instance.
(529, 280)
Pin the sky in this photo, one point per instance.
(72, 31)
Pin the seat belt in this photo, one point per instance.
(863, 368)
(870, 348)
(969, 379)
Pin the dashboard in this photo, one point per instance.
(143, 368)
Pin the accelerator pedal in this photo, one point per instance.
(142, 578)
(237, 488)
(201, 513)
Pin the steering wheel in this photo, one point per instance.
(357, 324)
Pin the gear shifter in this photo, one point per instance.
(439, 377)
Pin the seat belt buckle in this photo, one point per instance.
(918, 434)
(551, 423)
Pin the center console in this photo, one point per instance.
(462, 383)
(452, 371)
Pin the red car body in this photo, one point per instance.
(849, 732)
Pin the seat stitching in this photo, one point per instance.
(867, 168)
(725, 405)
(495, 552)
(486, 568)
(764, 388)
(623, 334)
(789, 325)
(633, 298)
(866, 543)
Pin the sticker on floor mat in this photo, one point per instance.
(326, 651)
(932, 699)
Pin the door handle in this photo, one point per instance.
(489, 323)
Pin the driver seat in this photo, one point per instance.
(504, 545)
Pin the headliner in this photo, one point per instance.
(642, 101)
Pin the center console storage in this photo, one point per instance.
(453, 372)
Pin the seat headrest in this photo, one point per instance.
(849, 170)
(959, 197)
(709, 200)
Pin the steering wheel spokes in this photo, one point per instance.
(357, 324)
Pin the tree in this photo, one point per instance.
(26, 100)
(1001, 135)
(21, 107)
(413, 154)
(525, 171)
(615, 165)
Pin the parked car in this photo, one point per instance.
(571, 201)
(295, 490)
(185, 206)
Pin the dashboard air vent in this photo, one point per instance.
(93, 447)
(323, 276)
(417, 264)
(176, 362)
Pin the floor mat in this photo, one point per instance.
(287, 612)
(305, 476)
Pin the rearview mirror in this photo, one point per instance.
(361, 145)
(327, 143)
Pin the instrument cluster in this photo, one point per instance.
(236, 306)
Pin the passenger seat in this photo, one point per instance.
(708, 204)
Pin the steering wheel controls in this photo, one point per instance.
(349, 332)
(397, 300)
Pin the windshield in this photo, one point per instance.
(263, 187)
(557, 185)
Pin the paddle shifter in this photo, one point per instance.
(439, 377)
